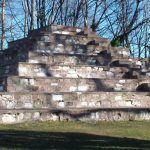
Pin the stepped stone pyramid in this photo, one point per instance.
(59, 73)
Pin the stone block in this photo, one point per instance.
(20, 117)
(28, 105)
(82, 88)
(118, 98)
(61, 104)
(8, 118)
(54, 117)
(56, 97)
(73, 89)
(84, 104)
(36, 116)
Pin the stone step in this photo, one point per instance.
(9, 116)
(35, 100)
(54, 28)
(130, 63)
(72, 59)
(48, 47)
(50, 84)
(104, 58)
(61, 39)
(59, 29)
(76, 39)
(62, 71)
(56, 58)
(63, 46)
(22, 55)
(79, 48)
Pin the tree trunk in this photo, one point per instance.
(85, 12)
(50, 19)
(32, 15)
(42, 22)
(37, 13)
(24, 5)
(3, 24)
(61, 11)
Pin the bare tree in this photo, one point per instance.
(42, 14)
(128, 19)
(3, 24)
(76, 12)
(50, 18)
(32, 15)
(85, 12)
(25, 9)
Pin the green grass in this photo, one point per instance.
(64, 135)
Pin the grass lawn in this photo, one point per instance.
(65, 135)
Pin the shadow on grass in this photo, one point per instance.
(70, 141)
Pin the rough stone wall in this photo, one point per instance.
(102, 115)
(28, 107)
(69, 71)
(59, 73)
(74, 100)
(49, 84)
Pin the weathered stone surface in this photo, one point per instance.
(50, 84)
(65, 73)
(95, 100)
(98, 115)
(7, 118)
(43, 70)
